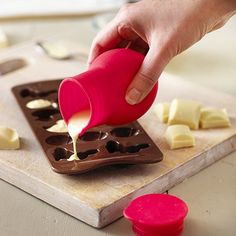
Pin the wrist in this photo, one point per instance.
(218, 12)
(225, 7)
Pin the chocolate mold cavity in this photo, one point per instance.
(45, 93)
(124, 132)
(61, 153)
(83, 155)
(29, 92)
(113, 146)
(93, 136)
(58, 140)
(45, 114)
(25, 93)
(136, 148)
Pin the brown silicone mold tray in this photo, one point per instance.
(100, 146)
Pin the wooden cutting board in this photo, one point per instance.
(99, 197)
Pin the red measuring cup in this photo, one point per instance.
(157, 215)
(102, 90)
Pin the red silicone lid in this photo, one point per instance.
(157, 213)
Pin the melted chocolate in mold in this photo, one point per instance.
(63, 153)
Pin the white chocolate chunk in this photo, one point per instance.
(185, 112)
(3, 39)
(179, 136)
(162, 111)
(54, 105)
(38, 103)
(9, 138)
(56, 50)
(59, 127)
(214, 118)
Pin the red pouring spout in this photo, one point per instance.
(102, 90)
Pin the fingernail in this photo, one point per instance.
(133, 96)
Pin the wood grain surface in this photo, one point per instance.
(99, 197)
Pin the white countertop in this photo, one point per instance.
(209, 194)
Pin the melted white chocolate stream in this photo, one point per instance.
(75, 125)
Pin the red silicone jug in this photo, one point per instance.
(102, 90)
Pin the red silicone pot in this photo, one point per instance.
(157, 215)
(102, 90)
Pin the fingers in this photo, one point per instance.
(147, 76)
(106, 39)
(118, 30)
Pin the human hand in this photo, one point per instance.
(162, 29)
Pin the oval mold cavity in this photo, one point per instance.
(58, 140)
(112, 146)
(93, 136)
(124, 132)
(30, 92)
(45, 114)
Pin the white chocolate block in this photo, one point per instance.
(179, 136)
(162, 111)
(3, 40)
(214, 118)
(38, 103)
(185, 112)
(9, 138)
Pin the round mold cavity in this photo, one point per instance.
(93, 136)
(25, 93)
(45, 114)
(112, 146)
(58, 139)
(61, 153)
(124, 132)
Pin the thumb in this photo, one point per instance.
(147, 76)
